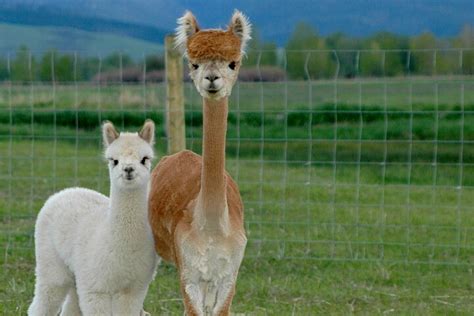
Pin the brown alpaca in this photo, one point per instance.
(196, 212)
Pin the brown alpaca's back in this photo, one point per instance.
(175, 184)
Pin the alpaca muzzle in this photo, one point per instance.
(129, 172)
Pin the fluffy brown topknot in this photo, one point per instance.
(215, 45)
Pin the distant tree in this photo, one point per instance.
(371, 60)
(57, 67)
(340, 40)
(395, 56)
(64, 68)
(387, 40)
(421, 61)
(260, 52)
(88, 67)
(305, 45)
(20, 65)
(3, 69)
(116, 60)
(465, 39)
(155, 62)
(46, 67)
(346, 50)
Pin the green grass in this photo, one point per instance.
(311, 249)
(393, 234)
(286, 287)
(400, 93)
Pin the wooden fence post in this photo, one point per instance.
(174, 97)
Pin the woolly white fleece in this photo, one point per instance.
(99, 252)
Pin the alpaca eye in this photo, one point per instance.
(144, 160)
(195, 66)
(114, 161)
(232, 65)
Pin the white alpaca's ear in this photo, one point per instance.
(109, 133)
(147, 132)
(187, 26)
(240, 26)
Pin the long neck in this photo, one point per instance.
(128, 212)
(212, 196)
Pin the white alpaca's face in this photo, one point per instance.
(214, 79)
(129, 158)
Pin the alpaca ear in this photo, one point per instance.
(187, 26)
(147, 132)
(240, 26)
(109, 133)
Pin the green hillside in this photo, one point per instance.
(41, 39)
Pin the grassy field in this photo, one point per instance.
(363, 206)
(404, 93)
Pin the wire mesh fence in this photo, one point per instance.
(337, 158)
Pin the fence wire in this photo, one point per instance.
(343, 166)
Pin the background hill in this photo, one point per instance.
(149, 20)
(65, 39)
(136, 28)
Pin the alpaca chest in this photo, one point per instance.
(209, 272)
(120, 267)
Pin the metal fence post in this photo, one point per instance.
(174, 98)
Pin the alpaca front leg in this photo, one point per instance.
(93, 303)
(71, 305)
(129, 302)
(144, 313)
(47, 300)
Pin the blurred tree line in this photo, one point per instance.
(24, 66)
(307, 54)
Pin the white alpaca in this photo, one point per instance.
(99, 252)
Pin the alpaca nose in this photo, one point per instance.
(212, 78)
(128, 169)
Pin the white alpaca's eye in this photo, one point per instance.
(114, 161)
(195, 66)
(144, 160)
(232, 65)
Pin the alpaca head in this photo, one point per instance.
(129, 155)
(214, 55)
